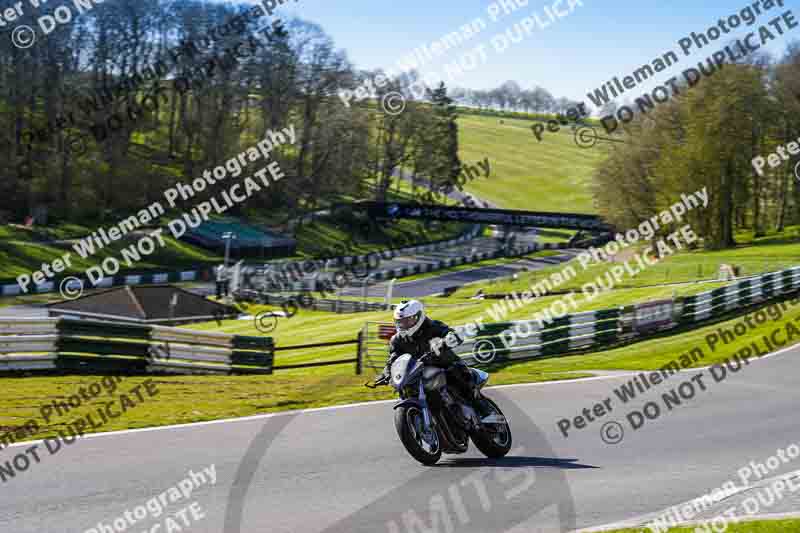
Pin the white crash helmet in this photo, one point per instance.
(408, 317)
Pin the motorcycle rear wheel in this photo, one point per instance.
(409, 421)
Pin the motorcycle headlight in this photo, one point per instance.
(433, 378)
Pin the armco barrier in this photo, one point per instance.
(462, 260)
(28, 344)
(95, 346)
(474, 258)
(12, 288)
(740, 294)
(406, 250)
(590, 330)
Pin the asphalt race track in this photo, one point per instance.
(436, 284)
(343, 469)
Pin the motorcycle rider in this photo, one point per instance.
(417, 334)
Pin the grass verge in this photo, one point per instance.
(758, 526)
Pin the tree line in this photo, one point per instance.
(76, 174)
(510, 96)
(707, 136)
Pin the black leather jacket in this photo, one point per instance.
(420, 343)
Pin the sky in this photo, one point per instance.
(573, 55)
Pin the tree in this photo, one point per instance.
(446, 163)
(512, 92)
(543, 100)
(704, 137)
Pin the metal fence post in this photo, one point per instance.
(359, 353)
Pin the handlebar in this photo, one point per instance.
(383, 380)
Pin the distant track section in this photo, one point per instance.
(484, 216)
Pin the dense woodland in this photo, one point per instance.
(293, 78)
(707, 137)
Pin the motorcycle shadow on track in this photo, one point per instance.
(514, 462)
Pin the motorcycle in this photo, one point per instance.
(431, 419)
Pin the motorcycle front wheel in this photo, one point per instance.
(410, 425)
(493, 439)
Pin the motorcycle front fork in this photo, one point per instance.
(426, 413)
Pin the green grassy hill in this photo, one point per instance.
(551, 175)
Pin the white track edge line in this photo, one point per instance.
(641, 521)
